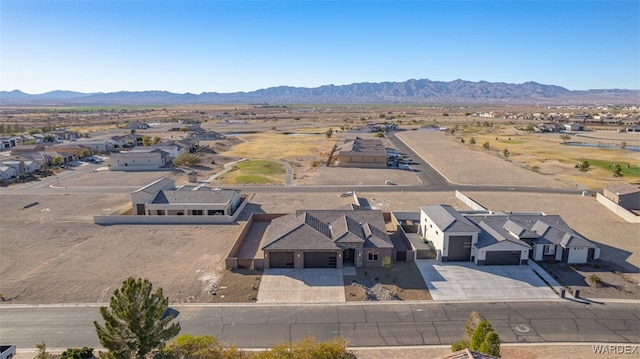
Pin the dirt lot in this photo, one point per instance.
(53, 253)
(401, 282)
(596, 280)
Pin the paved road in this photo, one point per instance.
(374, 324)
(425, 172)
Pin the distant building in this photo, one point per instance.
(361, 152)
(574, 127)
(624, 195)
(139, 160)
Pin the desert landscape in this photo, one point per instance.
(53, 253)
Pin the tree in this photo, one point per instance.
(328, 133)
(472, 141)
(85, 153)
(379, 134)
(564, 137)
(58, 160)
(186, 159)
(485, 339)
(135, 321)
(486, 145)
(623, 145)
(584, 166)
(506, 153)
(462, 140)
(491, 344)
(529, 128)
(146, 141)
(156, 140)
(617, 170)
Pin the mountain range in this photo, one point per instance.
(407, 92)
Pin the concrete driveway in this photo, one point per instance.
(311, 285)
(468, 281)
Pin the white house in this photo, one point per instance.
(162, 198)
(500, 238)
(7, 173)
(451, 233)
(139, 160)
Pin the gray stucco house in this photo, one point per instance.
(327, 239)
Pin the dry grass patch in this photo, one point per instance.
(281, 146)
(548, 154)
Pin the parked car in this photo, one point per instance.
(389, 182)
(7, 351)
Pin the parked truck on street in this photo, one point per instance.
(7, 351)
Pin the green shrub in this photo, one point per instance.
(77, 353)
(595, 279)
(459, 345)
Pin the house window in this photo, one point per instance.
(197, 212)
(373, 256)
(549, 250)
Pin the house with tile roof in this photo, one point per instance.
(327, 239)
(489, 238)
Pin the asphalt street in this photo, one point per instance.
(362, 324)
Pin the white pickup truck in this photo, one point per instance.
(7, 351)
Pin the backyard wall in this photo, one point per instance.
(116, 217)
(470, 202)
(620, 211)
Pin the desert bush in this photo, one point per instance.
(77, 353)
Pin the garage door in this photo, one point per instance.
(503, 257)
(281, 259)
(319, 260)
(459, 249)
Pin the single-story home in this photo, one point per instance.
(359, 152)
(633, 128)
(139, 160)
(163, 198)
(501, 238)
(327, 239)
(574, 126)
(624, 195)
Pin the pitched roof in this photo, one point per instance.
(323, 229)
(362, 147)
(448, 219)
(543, 229)
(493, 232)
(304, 232)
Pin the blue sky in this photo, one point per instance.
(226, 46)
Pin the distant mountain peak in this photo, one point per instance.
(413, 91)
